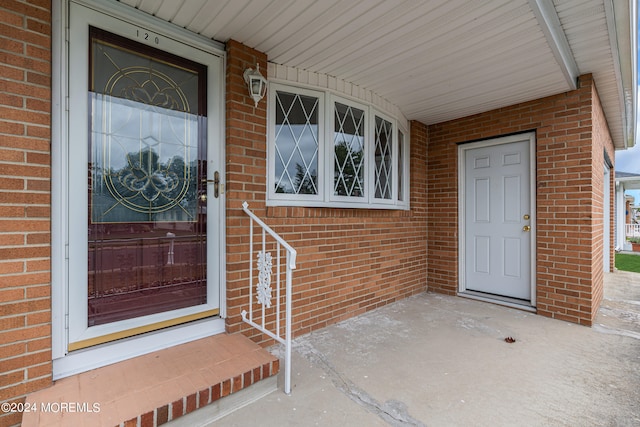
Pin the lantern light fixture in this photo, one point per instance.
(256, 82)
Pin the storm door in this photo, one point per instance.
(151, 249)
(147, 229)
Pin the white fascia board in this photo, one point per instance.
(622, 25)
(547, 16)
(627, 14)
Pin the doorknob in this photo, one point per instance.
(526, 228)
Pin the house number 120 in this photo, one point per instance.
(148, 37)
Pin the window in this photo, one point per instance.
(401, 173)
(296, 143)
(383, 143)
(357, 157)
(349, 151)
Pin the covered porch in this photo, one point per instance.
(439, 360)
(430, 359)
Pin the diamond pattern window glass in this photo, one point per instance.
(332, 150)
(401, 155)
(349, 150)
(383, 143)
(296, 143)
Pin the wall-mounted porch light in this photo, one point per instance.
(256, 82)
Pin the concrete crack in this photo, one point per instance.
(615, 331)
(393, 412)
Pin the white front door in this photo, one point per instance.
(144, 158)
(497, 218)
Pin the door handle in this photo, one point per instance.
(216, 185)
(526, 228)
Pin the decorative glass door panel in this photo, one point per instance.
(147, 181)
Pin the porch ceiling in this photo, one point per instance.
(438, 60)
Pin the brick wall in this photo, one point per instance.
(571, 137)
(25, 229)
(602, 143)
(246, 146)
(349, 260)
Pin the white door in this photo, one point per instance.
(145, 157)
(497, 217)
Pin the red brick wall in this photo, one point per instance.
(25, 228)
(246, 147)
(349, 260)
(602, 143)
(571, 137)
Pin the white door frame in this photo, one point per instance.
(67, 363)
(462, 148)
(606, 220)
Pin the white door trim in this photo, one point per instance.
(606, 220)
(67, 363)
(462, 148)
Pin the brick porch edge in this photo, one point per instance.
(202, 398)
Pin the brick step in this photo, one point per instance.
(155, 388)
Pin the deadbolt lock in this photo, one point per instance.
(526, 216)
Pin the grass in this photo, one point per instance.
(627, 262)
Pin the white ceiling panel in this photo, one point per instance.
(435, 60)
(585, 24)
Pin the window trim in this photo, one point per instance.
(271, 147)
(406, 164)
(325, 196)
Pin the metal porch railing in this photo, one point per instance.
(271, 313)
(633, 230)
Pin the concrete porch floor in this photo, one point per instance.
(437, 360)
